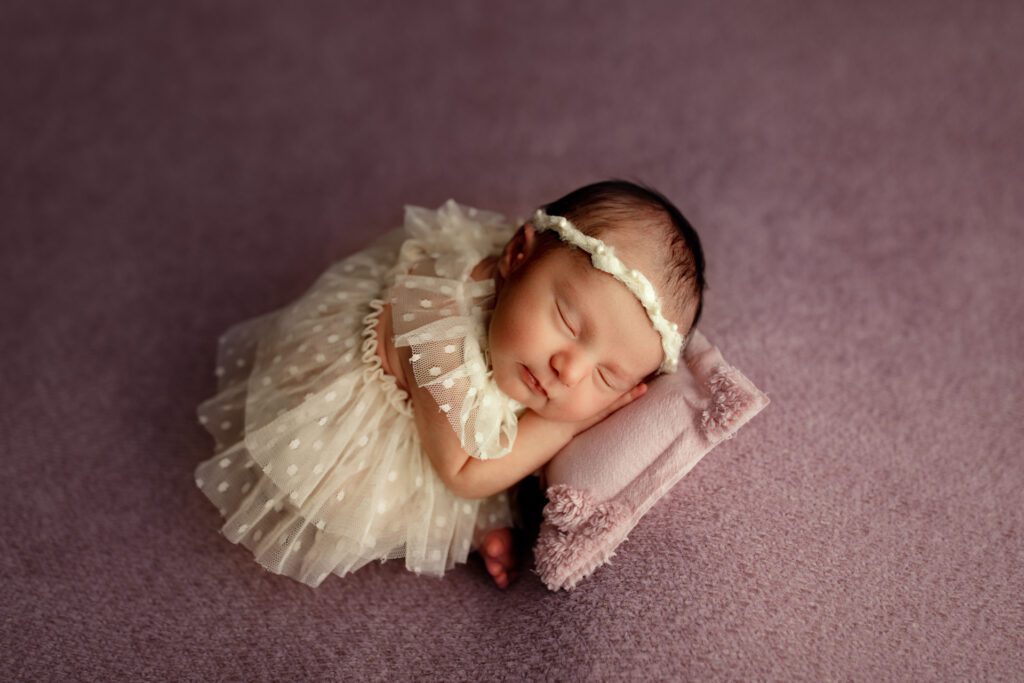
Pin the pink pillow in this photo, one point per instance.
(601, 484)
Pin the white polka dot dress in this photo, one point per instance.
(317, 467)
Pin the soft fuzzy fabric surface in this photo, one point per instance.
(167, 169)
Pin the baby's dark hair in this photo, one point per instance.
(598, 208)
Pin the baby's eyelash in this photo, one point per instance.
(564, 321)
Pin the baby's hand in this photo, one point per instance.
(628, 397)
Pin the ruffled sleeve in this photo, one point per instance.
(442, 315)
(449, 242)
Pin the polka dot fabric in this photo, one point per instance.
(444, 324)
(318, 467)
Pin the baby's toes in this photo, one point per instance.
(494, 567)
(499, 547)
(497, 572)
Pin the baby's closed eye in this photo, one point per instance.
(562, 317)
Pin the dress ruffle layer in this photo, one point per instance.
(318, 466)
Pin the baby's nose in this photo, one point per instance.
(568, 367)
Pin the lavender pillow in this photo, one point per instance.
(597, 494)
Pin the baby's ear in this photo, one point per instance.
(518, 250)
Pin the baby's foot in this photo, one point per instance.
(500, 556)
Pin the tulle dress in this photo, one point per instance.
(318, 467)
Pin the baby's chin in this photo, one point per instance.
(514, 389)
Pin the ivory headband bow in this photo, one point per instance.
(603, 257)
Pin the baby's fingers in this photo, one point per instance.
(630, 396)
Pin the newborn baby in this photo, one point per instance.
(387, 412)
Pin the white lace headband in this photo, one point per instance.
(603, 257)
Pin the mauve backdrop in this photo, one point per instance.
(854, 170)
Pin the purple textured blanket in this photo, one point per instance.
(167, 169)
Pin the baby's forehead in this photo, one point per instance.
(577, 267)
(577, 273)
(638, 254)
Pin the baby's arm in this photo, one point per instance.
(436, 434)
(537, 441)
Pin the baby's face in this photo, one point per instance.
(566, 339)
